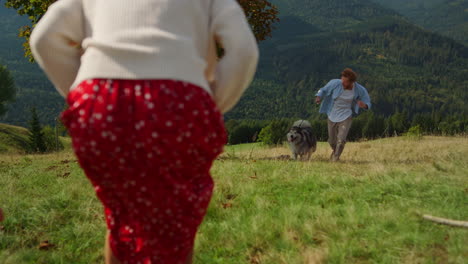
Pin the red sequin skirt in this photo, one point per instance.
(147, 147)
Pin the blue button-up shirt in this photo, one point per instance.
(334, 88)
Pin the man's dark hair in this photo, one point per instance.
(350, 74)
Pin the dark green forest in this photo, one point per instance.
(447, 17)
(409, 70)
(33, 88)
(404, 67)
(365, 127)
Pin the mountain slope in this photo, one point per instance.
(13, 139)
(447, 17)
(403, 66)
(33, 87)
(333, 15)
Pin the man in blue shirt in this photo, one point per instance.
(341, 99)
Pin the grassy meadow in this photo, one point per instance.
(266, 208)
(13, 139)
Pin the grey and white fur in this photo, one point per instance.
(301, 140)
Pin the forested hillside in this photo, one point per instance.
(447, 17)
(33, 87)
(406, 68)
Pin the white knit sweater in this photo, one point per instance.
(148, 39)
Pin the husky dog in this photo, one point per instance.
(301, 140)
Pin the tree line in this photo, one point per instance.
(367, 126)
(44, 139)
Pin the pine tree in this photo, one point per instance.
(36, 136)
(7, 89)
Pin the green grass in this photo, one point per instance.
(364, 209)
(13, 139)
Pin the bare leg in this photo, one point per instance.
(110, 258)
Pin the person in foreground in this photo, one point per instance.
(146, 95)
(341, 99)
